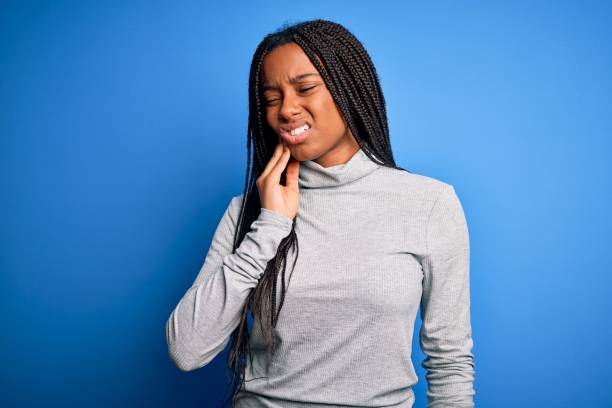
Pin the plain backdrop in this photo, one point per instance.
(123, 138)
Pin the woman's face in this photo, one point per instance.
(294, 94)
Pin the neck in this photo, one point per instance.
(314, 175)
(339, 154)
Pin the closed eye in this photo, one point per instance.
(307, 89)
(271, 101)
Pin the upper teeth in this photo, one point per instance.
(299, 130)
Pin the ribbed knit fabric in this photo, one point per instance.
(375, 244)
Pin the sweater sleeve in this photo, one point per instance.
(446, 334)
(200, 325)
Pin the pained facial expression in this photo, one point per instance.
(294, 94)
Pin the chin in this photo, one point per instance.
(299, 153)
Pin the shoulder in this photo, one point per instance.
(426, 195)
(236, 201)
(414, 185)
(232, 210)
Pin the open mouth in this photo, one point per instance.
(296, 135)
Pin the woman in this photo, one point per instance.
(376, 242)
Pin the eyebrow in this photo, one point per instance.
(293, 80)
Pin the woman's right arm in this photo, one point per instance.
(200, 326)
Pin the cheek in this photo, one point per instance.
(333, 118)
(270, 118)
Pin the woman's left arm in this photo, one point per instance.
(446, 333)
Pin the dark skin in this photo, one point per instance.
(329, 143)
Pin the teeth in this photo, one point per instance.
(299, 130)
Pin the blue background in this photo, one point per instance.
(123, 137)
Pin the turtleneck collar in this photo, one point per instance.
(313, 175)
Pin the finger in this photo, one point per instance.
(278, 151)
(279, 167)
(292, 175)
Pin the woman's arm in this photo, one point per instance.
(199, 327)
(446, 334)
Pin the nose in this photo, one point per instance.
(289, 107)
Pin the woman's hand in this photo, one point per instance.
(273, 195)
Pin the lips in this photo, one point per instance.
(285, 133)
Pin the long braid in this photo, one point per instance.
(368, 72)
(346, 63)
(351, 78)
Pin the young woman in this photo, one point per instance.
(376, 242)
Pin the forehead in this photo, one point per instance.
(284, 62)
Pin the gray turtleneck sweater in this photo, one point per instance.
(375, 244)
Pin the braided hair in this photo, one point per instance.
(350, 77)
